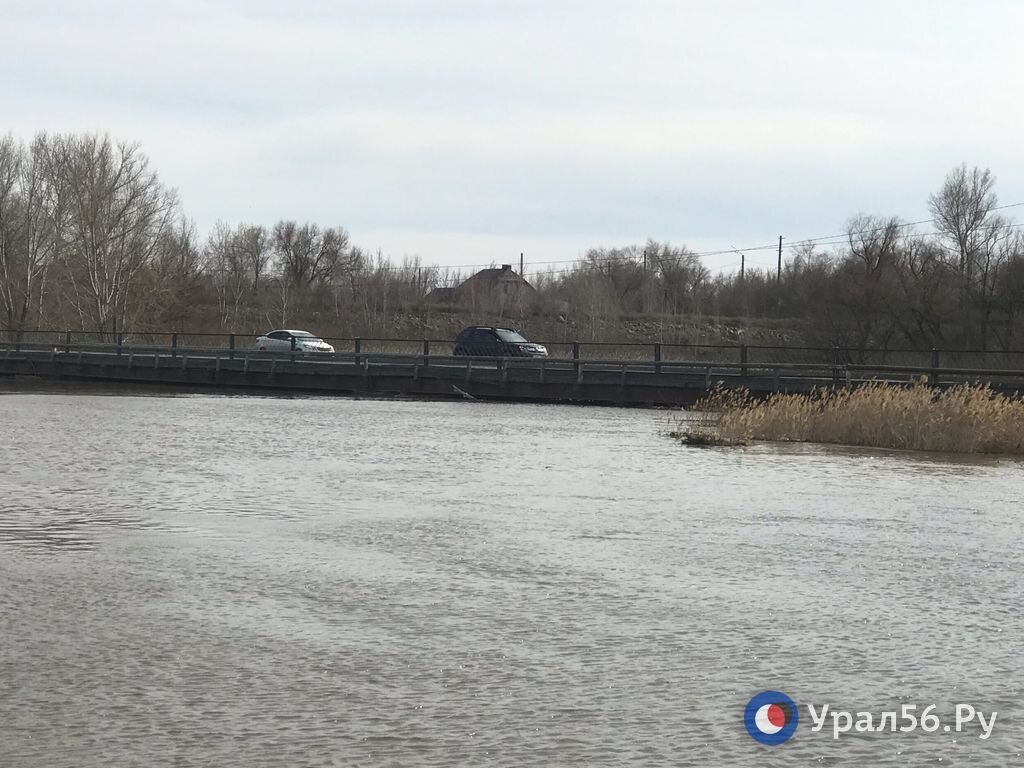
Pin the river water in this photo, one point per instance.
(255, 581)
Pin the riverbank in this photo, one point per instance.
(961, 419)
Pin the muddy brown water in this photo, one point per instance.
(256, 581)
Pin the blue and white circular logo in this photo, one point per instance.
(771, 718)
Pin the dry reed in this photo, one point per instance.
(962, 419)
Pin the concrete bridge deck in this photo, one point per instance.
(619, 382)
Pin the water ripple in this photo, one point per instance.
(261, 581)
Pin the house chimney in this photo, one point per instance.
(506, 267)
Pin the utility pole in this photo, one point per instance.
(520, 263)
(645, 260)
(778, 276)
(743, 261)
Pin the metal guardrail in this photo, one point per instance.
(653, 351)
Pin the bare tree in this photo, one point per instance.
(88, 234)
(229, 272)
(308, 256)
(997, 246)
(682, 275)
(962, 208)
(252, 244)
(171, 281)
(866, 276)
(1011, 291)
(927, 293)
(118, 212)
(30, 212)
(12, 242)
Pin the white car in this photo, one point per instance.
(289, 341)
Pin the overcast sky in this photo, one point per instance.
(466, 131)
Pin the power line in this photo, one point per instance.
(824, 241)
(845, 239)
(900, 225)
(835, 239)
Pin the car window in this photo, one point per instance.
(278, 335)
(483, 336)
(303, 335)
(511, 336)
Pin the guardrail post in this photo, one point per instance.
(120, 343)
(67, 341)
(358, 348)
(17, 341)
(933, 379)
(657, 357)
(576, 355)
(834, 354)
(231, 346)
(743, 360)
(291, 355)
(174, 345)
(426, 352)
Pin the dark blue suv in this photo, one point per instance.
(488, 341)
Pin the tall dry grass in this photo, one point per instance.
(963, 419)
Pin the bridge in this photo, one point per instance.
(651, 374)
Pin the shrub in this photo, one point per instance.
(963, 419)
